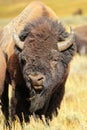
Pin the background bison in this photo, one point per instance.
(78, 12)
(39, 65)
(81, 39)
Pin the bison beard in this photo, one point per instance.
(39, 68)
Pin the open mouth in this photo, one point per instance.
(37, 88)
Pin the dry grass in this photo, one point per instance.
(73, 112)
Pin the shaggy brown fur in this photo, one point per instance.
(42, 55)
(19, 89)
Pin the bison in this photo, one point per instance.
(81, 39)
(38, 61)
(78, 12)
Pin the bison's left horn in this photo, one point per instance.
(67, 43)
(17, 40)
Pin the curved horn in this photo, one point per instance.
(17, 40)
(67, 43)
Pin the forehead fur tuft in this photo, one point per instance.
(45, 26)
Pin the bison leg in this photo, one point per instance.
(5, 102)
(12, 102)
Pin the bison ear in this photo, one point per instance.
(69, 41)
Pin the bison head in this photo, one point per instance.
(44, 50)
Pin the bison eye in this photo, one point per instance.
(23, 61)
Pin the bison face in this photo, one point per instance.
(43, 65)
(42, 73)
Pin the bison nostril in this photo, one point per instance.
(40, 78)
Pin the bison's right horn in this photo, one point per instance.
(67, 43)
(17, 40)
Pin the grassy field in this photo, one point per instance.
(73, 112)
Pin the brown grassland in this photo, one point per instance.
(73, 112)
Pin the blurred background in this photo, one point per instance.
(73, 112)
(71, 11)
